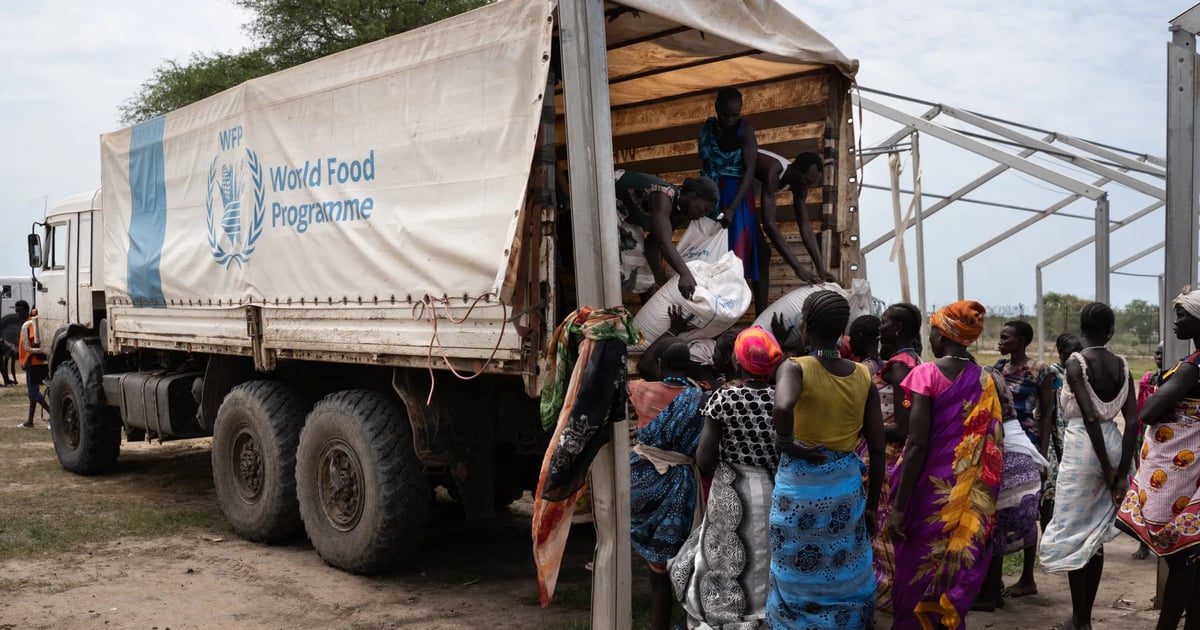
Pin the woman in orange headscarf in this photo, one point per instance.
(944, 499)
(722, 572)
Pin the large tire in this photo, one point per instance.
(86, 434)
(254, 460)
(363, 494)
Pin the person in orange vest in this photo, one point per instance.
(33, 361)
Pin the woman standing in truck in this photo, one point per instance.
(728, 150)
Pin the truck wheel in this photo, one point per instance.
(87, 436)
(254, 460)
(363, 495)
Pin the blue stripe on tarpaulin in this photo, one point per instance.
(148, 215)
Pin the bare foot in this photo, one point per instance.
(1142, 552)
(1070, 624)
(1021, 589)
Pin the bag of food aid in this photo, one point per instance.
(719, 301)
(790, 307)
(704, 240)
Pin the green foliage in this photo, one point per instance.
(288, 33)
(1140, 318)
(1061, 311)
(296, 31)
(175, 85)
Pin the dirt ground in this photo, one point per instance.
(146, 548)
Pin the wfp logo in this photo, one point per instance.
(235, 215)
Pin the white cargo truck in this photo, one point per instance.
(309, 267)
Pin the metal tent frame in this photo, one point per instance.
(1113, 166)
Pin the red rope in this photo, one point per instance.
(426, 309)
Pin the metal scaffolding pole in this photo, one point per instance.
(920, 227)
(891, 140)
(1041, 332)
(1103, 256)
(947, 200)
(1182, 110)
(1045, 213)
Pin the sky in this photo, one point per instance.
(1095, 70)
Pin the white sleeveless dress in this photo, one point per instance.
(1084, 513)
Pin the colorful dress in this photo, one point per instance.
(1021, 485)
(883, 554)
(1024, 383)
(727, 169)
(663, 483)
(722, 572)
(949, 517)
(1084, 514)
(1162, 507)
(821, 574)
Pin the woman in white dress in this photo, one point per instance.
(1095, 462)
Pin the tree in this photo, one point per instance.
(1061, 311)
(1140, 318)
(175, 85)
(288, 33)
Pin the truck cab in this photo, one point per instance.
(67, 259)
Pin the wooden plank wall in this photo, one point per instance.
(789, 115)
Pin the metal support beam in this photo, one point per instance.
(598, 282)
(920, 227)
(1117, 266)
(1084, 163)
(1047, 175)
(891, 140)
(1102, 250)
(1041, 334)
(1148, 164)
(949, 199)
(1181, 223)
(986, 245)
(1115, 225)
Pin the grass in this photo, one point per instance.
(162, 491)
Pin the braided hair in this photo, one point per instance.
(1097, 320)
(909, 317)
(864, 333)
(825, 314)
(1066, 344)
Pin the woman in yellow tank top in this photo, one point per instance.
(822, 521)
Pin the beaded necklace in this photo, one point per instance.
(826, 353)
(675, 380)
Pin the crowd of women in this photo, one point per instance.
(812, 491)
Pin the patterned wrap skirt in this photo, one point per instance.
(821, 572)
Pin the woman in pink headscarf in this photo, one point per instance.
(722, 573)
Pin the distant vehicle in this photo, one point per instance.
(294, 266)
(12, 290)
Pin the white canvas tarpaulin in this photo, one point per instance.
(395, 169)
(765, 25)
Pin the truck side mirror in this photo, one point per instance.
(35, 251)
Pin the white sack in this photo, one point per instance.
(704, 240)
(636, 274)
(721, 298)
(860, 299)
(791, 305)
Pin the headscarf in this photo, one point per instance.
(1190, 301)
(960, 322)
(757, 351)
